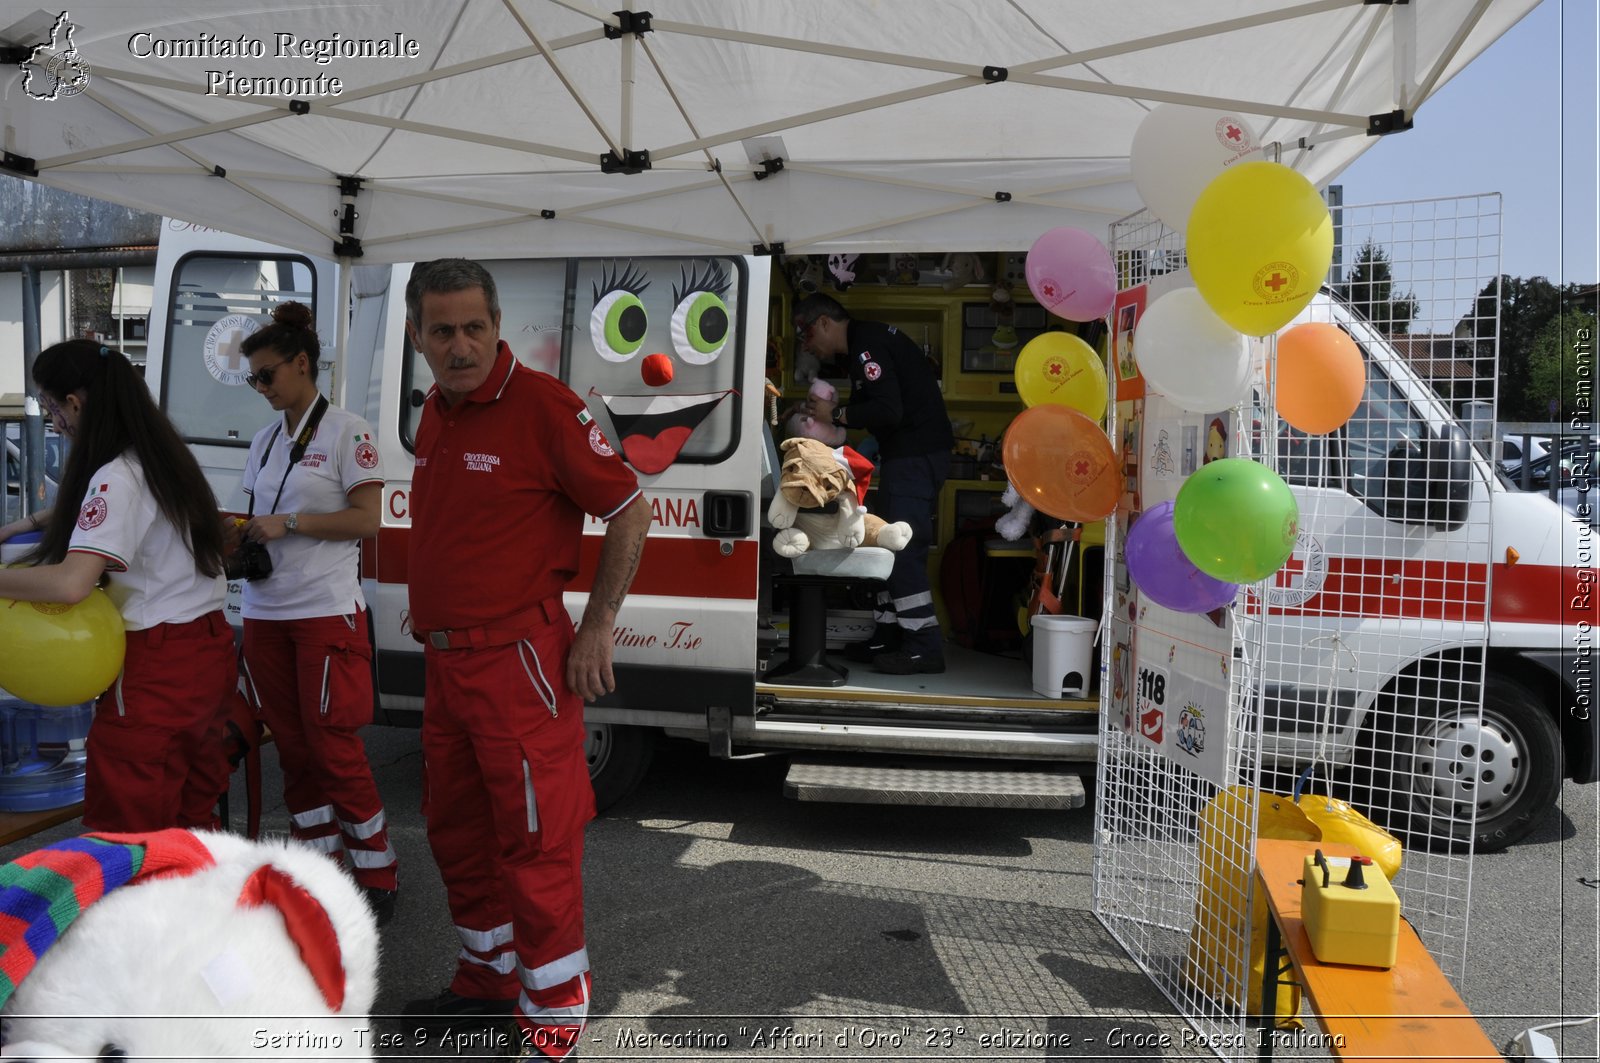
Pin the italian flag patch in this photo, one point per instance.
(583, 417)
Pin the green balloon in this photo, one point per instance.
(1236, 520)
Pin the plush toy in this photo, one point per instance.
(806, 367)
(1014, 525)
(1005, 311)
(811, 478)
(965, 268)
(805, 273)
(801, 423)
(184, 945)
(903, 270)
(843, 269)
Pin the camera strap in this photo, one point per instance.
(297, 451)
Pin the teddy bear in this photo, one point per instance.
(1014, 524)
(801, 423)
(964, 268)
(812, 477)
(184, 945)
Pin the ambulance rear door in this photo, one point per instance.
(212, 290)
(668, 354)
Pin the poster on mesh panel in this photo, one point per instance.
(1178, 664)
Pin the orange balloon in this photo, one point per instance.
(1321, 377)
(1062, 463)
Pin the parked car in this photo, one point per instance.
(1512, 456)
(55, 456)
(1574, 461)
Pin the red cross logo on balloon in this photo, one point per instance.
(1277, 281)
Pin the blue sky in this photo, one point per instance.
(1520, 120)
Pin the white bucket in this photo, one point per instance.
(1063, 649)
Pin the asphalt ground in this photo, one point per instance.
(727, 922)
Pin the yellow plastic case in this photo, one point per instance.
(1346, 924)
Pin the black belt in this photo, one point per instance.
(502, 632)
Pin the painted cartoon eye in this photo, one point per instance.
(701, 324)
(619, 322)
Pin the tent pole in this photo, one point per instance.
(566, 80)
(1425, 88)
(32, 486)
(341, 381)
(1403, 17)
(626, 63)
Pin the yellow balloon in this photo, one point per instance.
(1059, 369)
(1260, 244)
(53, 654)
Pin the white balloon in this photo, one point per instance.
(1190, 355)
(1176, 152)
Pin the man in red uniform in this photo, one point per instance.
(508, 462)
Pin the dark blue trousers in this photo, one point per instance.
(908, 490)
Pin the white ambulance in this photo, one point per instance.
(707, 615)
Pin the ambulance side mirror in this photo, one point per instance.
(1430, 481)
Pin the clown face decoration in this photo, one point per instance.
(657, 352)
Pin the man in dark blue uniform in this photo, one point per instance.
(894, 394)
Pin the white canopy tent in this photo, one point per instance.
(907, 124)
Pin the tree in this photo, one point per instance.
(1553, 368)
(1521, 308)
(1370, 290)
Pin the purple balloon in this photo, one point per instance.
(1158, 566)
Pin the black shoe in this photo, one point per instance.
(449, 1010)
(909, 663)
(382, 903)
(866, 651)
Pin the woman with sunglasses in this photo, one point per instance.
(314, 482)
(133, 509)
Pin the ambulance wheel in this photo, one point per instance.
(618, 758)
(1426, 777)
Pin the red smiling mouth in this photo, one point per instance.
(652, 429)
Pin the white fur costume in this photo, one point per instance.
(213, 964)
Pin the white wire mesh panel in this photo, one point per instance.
(1357, 672)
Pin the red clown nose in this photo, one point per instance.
(657, 370)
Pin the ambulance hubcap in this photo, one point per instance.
(597, 747)
(1462, 762)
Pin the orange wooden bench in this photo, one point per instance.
(15, 826)
(1406, 1013)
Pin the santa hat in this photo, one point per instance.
(43, 892)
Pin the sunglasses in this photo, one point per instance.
(263, 378)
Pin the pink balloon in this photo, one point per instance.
(1070, 272)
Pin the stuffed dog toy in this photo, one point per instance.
(183, 945)
(812, 477)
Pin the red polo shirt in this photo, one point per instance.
(502, 483)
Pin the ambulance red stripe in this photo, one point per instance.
(677, 567)
(1370, 587)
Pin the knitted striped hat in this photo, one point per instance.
(44, 891)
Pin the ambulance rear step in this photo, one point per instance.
(872, 782)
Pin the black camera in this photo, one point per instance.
(250, 561)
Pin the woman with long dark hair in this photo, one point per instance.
(314, 485)
(133, 509)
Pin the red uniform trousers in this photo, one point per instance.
(311, 682)
(506, 795)
(155, 747)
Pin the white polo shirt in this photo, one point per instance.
(152, 574)
(310, 577)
